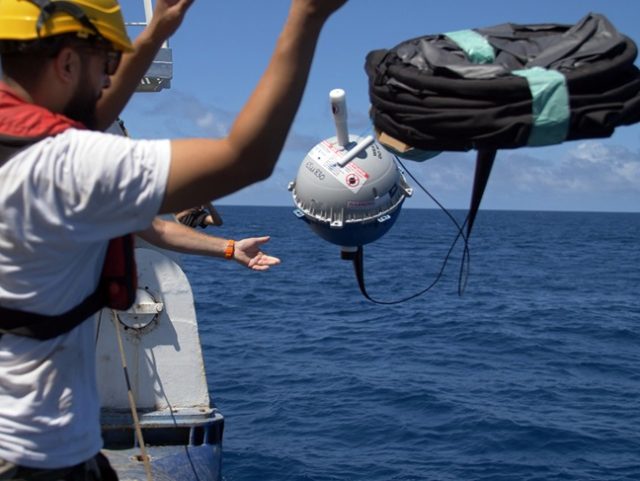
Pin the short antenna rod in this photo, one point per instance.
(338, 100)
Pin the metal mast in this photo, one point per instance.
(159, 75)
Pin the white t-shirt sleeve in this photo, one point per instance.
(62, 199)
(99, 184)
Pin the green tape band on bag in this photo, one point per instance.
(550, 105)
(474, 45)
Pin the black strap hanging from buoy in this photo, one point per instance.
(356, 256)
(484, 164)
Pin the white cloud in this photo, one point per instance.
(629, 171)
(183, 115)
(594, 152)
(207, 120)
(608, 167)
(448, 171)
(588, 168)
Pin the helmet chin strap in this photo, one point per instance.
(48, 8)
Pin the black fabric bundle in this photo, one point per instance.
(428, 95)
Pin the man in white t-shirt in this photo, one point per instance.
(69, 189)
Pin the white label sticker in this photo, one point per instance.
(327, 155)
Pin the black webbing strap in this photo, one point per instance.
(117, 290)
(10, 145)
(39, 326)
(358, 265)
(484, 163)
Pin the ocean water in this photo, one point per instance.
(532, 374)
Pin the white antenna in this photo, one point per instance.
(338, 99)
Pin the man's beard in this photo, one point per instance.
(82, 106)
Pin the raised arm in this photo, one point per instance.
(167, 17)
(202, 170)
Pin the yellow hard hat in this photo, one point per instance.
(25, 20)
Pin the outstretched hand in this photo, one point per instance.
(167, 16)
(247, 252)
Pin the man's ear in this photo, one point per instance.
(67, 64)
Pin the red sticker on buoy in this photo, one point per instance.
(352, 180)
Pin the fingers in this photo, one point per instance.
(251, 245)
(262, 262)
(181, 5)
(186, 4)
(261, 240)
(249, 254)
(268, 260)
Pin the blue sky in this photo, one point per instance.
(222, 48)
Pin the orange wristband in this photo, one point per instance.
(230, 249)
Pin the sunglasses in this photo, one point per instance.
(112, 57)
(112, 61)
